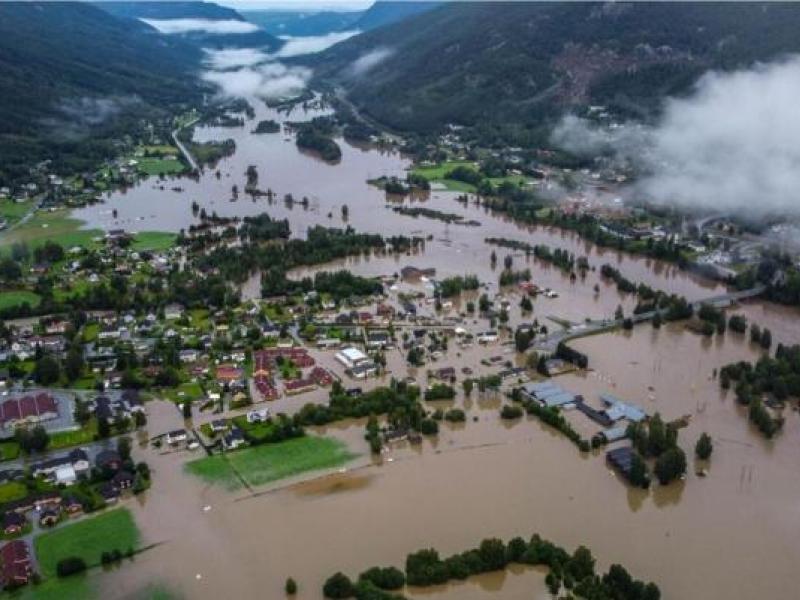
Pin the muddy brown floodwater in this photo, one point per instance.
(730, 535)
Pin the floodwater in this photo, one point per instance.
(730, 535)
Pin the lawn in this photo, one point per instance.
(157, 166)
(87, 539)
(9, 450)
(65, 439)
(56, 588)
(17, 298)
(155, 241)
(55, 226)
(13, 211)
(271, 462)
(185, 391)
(12, 490)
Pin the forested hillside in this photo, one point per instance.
(520, 63)
(65, 67)
(194, 10)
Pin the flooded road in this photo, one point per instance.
(733, 534)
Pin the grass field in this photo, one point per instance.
(271, 462)
(56, 588)
(437, 174)
(191, 390)
(154, 240)
(157, 166)
(55, 226)
(9, 450)
(65, 439)
(87, 539)
(18, 297)
(13, 211)
(12, 490)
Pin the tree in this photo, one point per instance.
(187, 409)
(290, 587)
(73, 365)
(508, 261)
(47, 370)
(467, 385)
(619, 314)
(525, 304)
(704, 446)
(657, 320)
(35, 439)
(338, 585)
(670, 465)
(124, 448)
(766, 338)
(81, 414)
(103, 427)
(639, 476)
(70, 566)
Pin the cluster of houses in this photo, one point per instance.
(265, 364)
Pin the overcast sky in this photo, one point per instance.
(343, 5)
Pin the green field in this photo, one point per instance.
(271, 462)
(18, 297)
(12, 490)
(155, 241)
(9, 450)
(65, 439)
(56, 226)
(87, 539)
(13, 211)
(437, 173)
(57, 588)
(157, 166)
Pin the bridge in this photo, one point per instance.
(549, 343)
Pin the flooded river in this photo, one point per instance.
(730, 535)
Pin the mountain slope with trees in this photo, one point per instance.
(521, 63)
(67, 66)
(194, 10)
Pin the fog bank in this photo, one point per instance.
(731, 145)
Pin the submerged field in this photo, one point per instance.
(87, 539)
(270, 462)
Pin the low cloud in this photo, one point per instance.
(296, 46)
(731, 145)
(272, 80)
(365, 63)
(175, 26)
(77, 116)
(235, 57)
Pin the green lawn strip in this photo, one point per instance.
(9, 450)
(158, 166)
(67, 588)
(13, 211)
(56, 226)
(65, 439)
(87, 539)
(12, 490)
(17, 298)
(438, 172)
(185, 391)
(271, 462)
(154, 240)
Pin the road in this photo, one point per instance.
(184, 150)
(549, 344)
